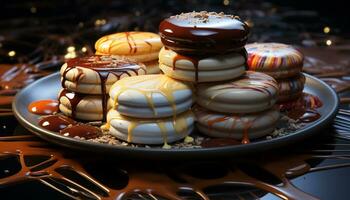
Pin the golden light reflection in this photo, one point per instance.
(226, 2)
(328, 42)
(70, 55)
(70, 49)
(100, 22)
(84, 49)
(70, 52)
(11, 53)
(326, 29)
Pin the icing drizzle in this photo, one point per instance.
(148, 85)
(255, 81)
(179, 124)
(103, 66)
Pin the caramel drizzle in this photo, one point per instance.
(44, 107)
(192, 59)
(263, 87)
(141, 179)
(303, 109)
(235, 119)
(114, 40)
(74, 99)
(165, 86)
(131, 42)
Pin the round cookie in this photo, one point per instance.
(96, 74)
(291, 88)
(81, 106)
(236, 126)
(203, 33)
(275, 59)
(150, 131)
(252, 92)
(139, 46)
(202, 69)
(150, 96)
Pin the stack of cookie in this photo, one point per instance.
(86, 82)
(150, 109)
(203, 47)
(207, 48)
(281, 61)
(139, 46)
(239, 109)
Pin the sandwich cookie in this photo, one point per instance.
(93, 76)
(237, 126)
(81, 106)
(139, 46)
(96, 74)
(203, 33)
(275, 59)
(150, 96)
(282, 62)
(202, 69)
(291, 88)
(150, 131)
(252, 92)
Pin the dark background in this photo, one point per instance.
(80, 23)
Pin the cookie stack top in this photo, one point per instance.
(203, 46)
(275, 59)
(203, 33)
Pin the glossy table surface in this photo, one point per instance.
(35, 38)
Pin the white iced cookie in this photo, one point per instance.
(236, 126)
(252, 92)
(201, 69)
(150, 131)
(81, 106)
(150, 96)
(96, 74)
(139, 46)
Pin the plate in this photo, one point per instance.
(48, 87)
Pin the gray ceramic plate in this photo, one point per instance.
(48, 87)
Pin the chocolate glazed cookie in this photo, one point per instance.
(203, 33)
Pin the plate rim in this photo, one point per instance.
(53, 137)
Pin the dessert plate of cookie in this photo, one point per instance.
(195, 90)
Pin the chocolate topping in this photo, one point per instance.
(103, 65)
(203, 32)
(82, 131)
(55, 123)
(74, 99)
